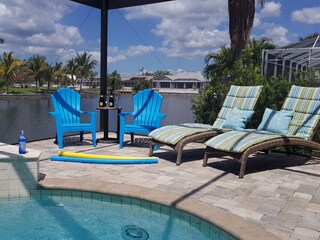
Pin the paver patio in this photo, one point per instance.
(279, 193)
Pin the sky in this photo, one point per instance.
(170, 36)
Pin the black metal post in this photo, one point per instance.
(104, 48)
(104, 61)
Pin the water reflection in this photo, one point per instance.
(32, 115)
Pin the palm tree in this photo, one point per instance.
(52, 73)
(114, 81)
(71, 68)
(9, 68)
(36, 66)
(241, 16)
(85, 65)
(252, 51)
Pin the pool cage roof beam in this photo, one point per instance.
(303, 54)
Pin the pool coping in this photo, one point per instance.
(231, 223)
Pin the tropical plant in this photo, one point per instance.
(9, 68)
(217, 63)
(85, 65)
(53, 73)
(141, 84)
(114, 81)
(219, 66)
(71, 69)
(36, 66)
(245, 71)
(241, 16)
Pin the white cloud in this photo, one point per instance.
(118, 58)
(278, 34)
(33, 27)
(271, 9)
(188, 28)
(139, 50)
(307, 15)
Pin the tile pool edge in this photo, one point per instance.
(231, 223)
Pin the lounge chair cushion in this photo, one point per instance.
(276, 121)
(239, 141)
(241, 97)
(238, 119)
(174, 133)
(305, 102)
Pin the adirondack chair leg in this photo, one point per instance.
(121, 135)
(132, 137)
(55, 140)
(94, 139)
(60, 139)
(81, 136)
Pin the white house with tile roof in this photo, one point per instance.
(181, 80)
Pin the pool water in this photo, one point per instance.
(77, 216)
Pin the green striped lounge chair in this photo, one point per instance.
(178, 136)
(302, 123)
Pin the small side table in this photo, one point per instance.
(104, 111)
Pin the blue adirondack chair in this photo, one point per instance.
(66, 104)
(146, 114)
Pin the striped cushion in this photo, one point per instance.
(305, 102)
(243, 98)
(239, 141)
(174, 133)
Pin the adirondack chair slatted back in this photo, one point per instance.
(147, 105)
(67, 102)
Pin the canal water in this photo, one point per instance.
(32, 114)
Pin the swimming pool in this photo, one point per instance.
(65, 214)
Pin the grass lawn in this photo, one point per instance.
(28, 90)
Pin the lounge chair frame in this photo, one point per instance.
(307, 141)
(198, 137)
(243, 157)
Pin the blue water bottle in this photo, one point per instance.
(22, 143)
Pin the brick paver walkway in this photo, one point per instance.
(279, 193)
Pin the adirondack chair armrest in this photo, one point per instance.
(93, 115)
(124, 114)
(57, 117)
(159, 118)
(122, 117)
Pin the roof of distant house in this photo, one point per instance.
(187, 76)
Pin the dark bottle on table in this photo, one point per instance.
(111, 101)
(102, 102)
